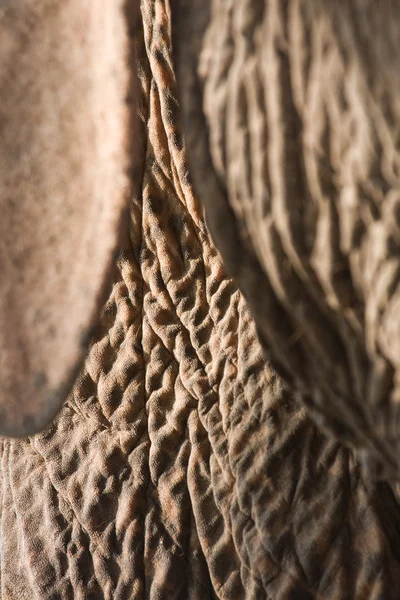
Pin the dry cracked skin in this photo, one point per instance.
(181, 466)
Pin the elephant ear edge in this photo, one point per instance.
(67, 162)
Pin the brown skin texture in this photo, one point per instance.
(181, 468)
(65, 167)
(291, 113)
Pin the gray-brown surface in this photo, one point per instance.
(292, 118)
(181, 467)
(65, 129)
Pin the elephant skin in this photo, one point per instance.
(66, 163)
(291, 112)
(182, 467)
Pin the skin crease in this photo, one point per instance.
(347, 311)
(38, 320)
(181, 467)
(25, 163)
(291, 114)
(64, 183)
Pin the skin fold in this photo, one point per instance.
(182, 466)
(291, 113)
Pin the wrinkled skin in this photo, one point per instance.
(181, 467)
(292, 113)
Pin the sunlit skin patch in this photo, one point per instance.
(65, 165)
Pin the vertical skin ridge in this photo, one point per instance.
(314, 216)
(182, 467)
